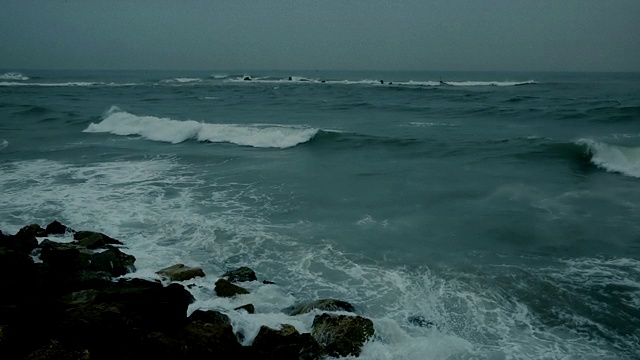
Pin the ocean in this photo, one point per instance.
(469, 215)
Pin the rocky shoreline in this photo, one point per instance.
(67, 300)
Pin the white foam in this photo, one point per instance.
(182, 80)
(614, 158)
(174, 131)
(13, 76)
(50, 84)
(162, 211)
(489, 83)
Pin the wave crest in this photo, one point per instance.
(613, 158)
(154, 128)
(13, 76)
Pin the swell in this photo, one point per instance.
(589, 153)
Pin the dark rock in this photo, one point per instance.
(284, 344)
(210, 317)
(59, 351)
(267, 282)
(322, 304)
(247, 78)
(24, 241)
(224, 288)
(65, 256)
(31, 230)
(56, 228)
(342, 335)
(94, 239)
(420, 321)
(249, 308)
(113, 261)
(203, 340)
(241, 274)
(180, 272)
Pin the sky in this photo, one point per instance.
(429, 35)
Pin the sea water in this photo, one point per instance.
(500, 209)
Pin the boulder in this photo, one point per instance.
(24, 241)
(241, 274)
(94, 240)
(322, 304)
(113, 261)
(203, 340)
(210, 317)
(56, 228)
(249, 308)
(284, 344)
(225, 288)
(65, 257)
(342, 335)
(180, 272)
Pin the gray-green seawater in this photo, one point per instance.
(503, 208)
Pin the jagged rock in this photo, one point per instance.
(210, 317)
(24, 241)
(94, 240)
(284, 344)
(210, 341)
(225, 288)
(65, 256)
(322, 304)
(241, 274)
(32, 230)
(180, 272)
(342, 335)
(113, 261)
(249, 308)
(267, 282)
(56, 228)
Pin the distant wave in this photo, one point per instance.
(3, 144)
(71, 83)
(614, 158)
(381, 82)
(182, 80)
(13, 76)
(489, 83)
(154, 128)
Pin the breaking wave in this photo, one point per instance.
(154, 128)
(13, 76)
(614, 158)
(182, 80)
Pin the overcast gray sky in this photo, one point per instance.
(528, 35)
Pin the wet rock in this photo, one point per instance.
(322, 304)
(420, 321)
(210, 317)
(225, 288)
(65, 257)
(342, 335)
(113, 261)
(180, 272)
(24, 241)
(241, 274)
(94, 240)
(267, 282)
(285, 343)
(56, 228)
(249, 308)
(210, 341)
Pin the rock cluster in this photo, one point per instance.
(65, 301)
